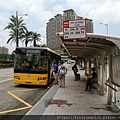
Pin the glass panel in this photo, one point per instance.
(31, 61)
(43, 63)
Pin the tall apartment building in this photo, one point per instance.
(55, 26)
(3, 50)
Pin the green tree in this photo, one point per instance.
(27, 36)
(16, 27)
(35, 38)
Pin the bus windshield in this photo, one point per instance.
(31, 61)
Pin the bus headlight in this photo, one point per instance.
(17, 77)
(41, 78)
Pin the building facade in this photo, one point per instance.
(55, 25)
(3, 50)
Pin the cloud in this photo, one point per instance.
(103, 10)
(106, 12)
(40, 11)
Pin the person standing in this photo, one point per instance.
(75, 70)
(62, 71)
(91, 79)
(55, 72)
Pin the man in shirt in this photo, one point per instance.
(55, 72)
(62, 71)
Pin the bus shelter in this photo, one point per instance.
(100, 51)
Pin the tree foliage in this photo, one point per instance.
(16, 27)
(19, 32)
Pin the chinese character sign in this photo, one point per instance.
(74, 29)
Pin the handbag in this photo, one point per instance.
(93, 80)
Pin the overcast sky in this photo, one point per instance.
(40, 11)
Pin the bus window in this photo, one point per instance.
(43, 63)
(36, 62)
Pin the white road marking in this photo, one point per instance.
(6, 80)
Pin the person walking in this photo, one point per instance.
(91, 79)
(75, 70)
(55, 72)
(62, 70)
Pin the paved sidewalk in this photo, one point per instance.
(73, 100)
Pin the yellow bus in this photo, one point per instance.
(39, 67)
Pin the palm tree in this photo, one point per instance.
(26, 36)
(35, 38)
(16, 27)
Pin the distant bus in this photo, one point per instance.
(64, 58)
(39, 71)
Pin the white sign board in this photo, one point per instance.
(74, 29)
(77, 23)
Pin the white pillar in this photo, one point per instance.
(103, 75)
(85, 66)
(110, 77)
(89, 65)
(98, 68)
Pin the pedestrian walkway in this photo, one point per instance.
(73, 100)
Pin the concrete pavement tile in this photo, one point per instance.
(50, 109)
(105, 112)
(74, 106)
(57, 97)
(73, 112)
(63, 97)
(61, 110)
(87, 110)
(73, 99)
(49, 112)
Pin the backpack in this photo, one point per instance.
(62, 70)
(75, 67)
(72, 67)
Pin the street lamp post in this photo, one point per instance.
(16, 29)
(106, 26)
(17, 41)
(106, 66)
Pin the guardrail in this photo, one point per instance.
(6, 63)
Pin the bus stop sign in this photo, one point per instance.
(74, 29)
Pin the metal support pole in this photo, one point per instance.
(17, 31)
(103, 75)
(17, 42)
(106, 26)
(85, 65)
(89, 65)
(110, 77)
